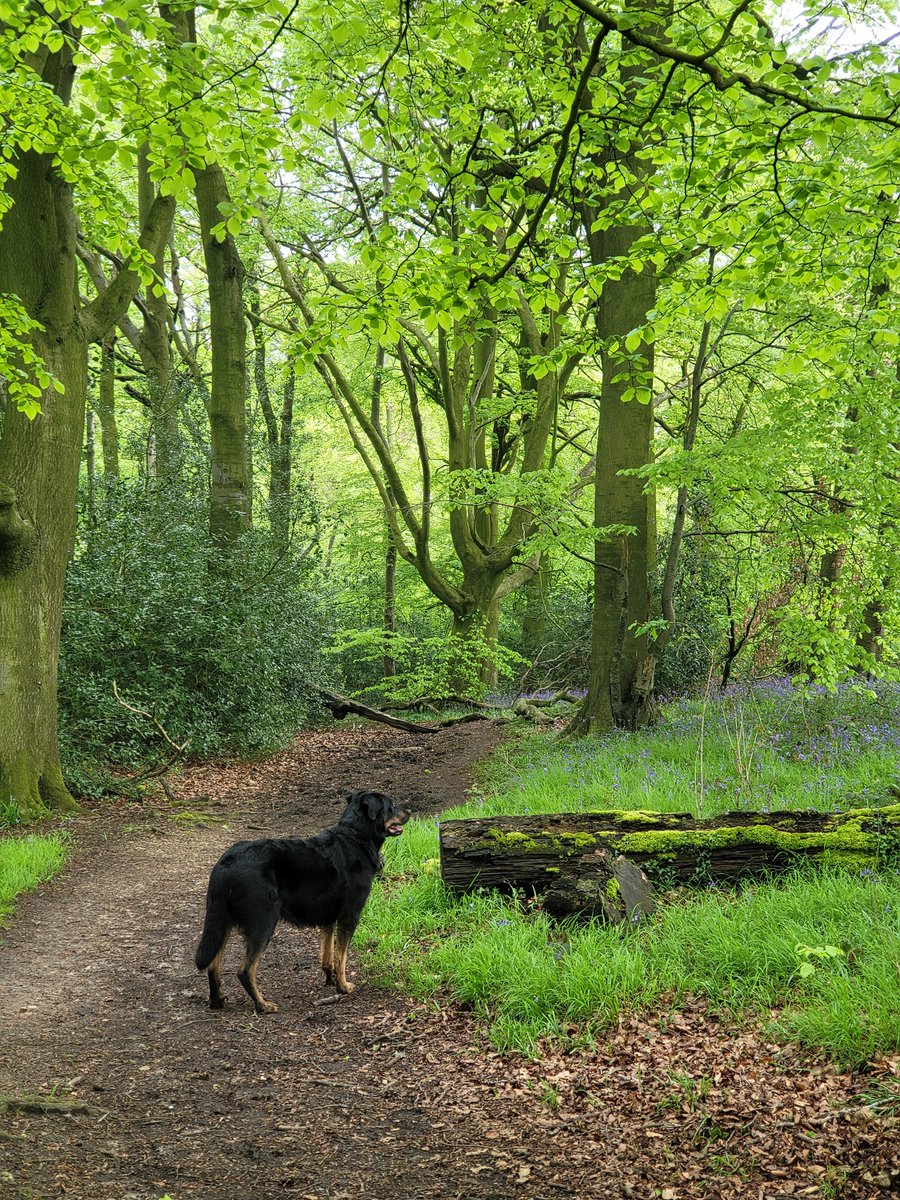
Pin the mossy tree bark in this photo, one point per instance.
(40, 457)
(229, 505)
(617, 690)
(531, 852)
(618, 685)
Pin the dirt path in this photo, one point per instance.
(102, 1012)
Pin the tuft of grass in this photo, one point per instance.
(27, 862)
(10, 815)
(754, 949)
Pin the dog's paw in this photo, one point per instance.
(266, 1006)
(346, 987)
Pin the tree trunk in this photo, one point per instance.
(105, 407)
(532, 851)
(40, 457)
(155, 349)
(388, 662)
(624, 442)
(229, 510)
(613, 223)
(473, 635)
(39, 464)
(280, 463)
(279, 429)
(534, 618)
(871, 638)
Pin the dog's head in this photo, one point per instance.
(377, 811)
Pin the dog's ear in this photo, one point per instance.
(376, 805)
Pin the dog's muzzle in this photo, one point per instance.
(393, 827)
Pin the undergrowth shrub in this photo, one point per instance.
(223, 651)
(433, 667)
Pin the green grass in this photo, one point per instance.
(531, 978)
(26, 862)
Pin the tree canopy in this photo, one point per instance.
(550, 341)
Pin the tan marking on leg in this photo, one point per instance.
(247, 977)
(326, 951)
(341, 942)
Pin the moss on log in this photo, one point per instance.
(527, 852)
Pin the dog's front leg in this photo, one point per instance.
(326, 951)
(341, 944)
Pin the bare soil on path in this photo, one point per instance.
(118, 1083)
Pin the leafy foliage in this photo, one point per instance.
(432, 667)
(224, 652)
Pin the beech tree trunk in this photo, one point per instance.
(624, 442)
(532, 852)
(155, 350)
(40, 457)
(229, 507)
(39, 463)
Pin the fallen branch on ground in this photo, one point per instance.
(343, 706)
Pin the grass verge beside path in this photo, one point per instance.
(821, 947)
(25, 863)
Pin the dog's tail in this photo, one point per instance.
(215, 932)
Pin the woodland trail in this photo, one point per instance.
(118, 1083)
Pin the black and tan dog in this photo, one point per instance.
(324, 880)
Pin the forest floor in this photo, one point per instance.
(118, 1083)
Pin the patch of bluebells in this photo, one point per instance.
(779, 722)
(802, 723)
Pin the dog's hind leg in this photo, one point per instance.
(256, 938)
(326, 951)
(214, 974)
(247, 976)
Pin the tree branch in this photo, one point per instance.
(105, 310)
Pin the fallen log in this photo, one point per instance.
(533, 852)
(343, 706)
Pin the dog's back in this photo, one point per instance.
(301, 881)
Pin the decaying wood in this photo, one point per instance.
(50, 1106)
(605, 885)
(531, 852)
(343, 706)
